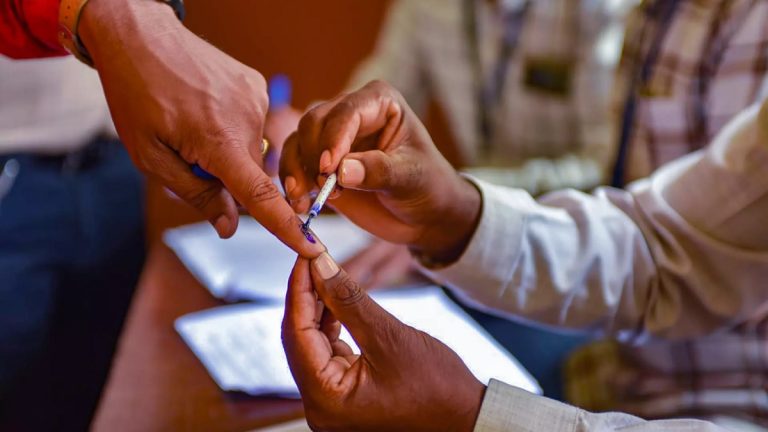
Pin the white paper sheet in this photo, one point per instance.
(254, 264)
(241, 348)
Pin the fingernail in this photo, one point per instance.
(325, 161)
(325, 266)
(222, 226)
(352, 172)
(290, 185)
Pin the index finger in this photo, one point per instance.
(375, 109)
(256, 191)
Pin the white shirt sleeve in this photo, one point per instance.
(682, 253)
(506, 408)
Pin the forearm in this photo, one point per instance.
(681, 254)
(573, 262)
(507, 408)
(28, 28)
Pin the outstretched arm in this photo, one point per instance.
(679, 254)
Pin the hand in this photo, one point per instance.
(403, 380)
(280, 124)
(381, 264)
(396, 183)
(176, 100)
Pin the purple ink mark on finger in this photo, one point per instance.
(307, 233)
(309, 237)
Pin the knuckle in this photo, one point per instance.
(348, 292)
(388, 94)
(229, 135)
(150, 160)
(260, 108)
(412, 175)
(343, 109)
(312, 118)
(201, 199)
(257, 83)
(385, 171)
(343, 95)
(378, 85)
(262, 189)
(287, 223)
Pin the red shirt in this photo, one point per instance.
(28, 28)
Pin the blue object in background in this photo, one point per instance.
(280, 94)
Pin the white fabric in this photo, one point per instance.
(50, 106)
(681, 254)
(506, 408)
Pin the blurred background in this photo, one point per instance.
(561, 121)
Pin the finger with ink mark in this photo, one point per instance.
(307, 233)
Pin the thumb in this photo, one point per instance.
(375, 170)
(374, 329)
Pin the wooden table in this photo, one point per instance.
(156, 382)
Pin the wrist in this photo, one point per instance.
(448, 235)
(471, 411)
(115, 25)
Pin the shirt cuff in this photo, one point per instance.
(507, 408)
(493, 252)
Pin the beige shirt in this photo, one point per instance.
(652, 260)
(50, 106)
(547, 142)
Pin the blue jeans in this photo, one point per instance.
(71, 250)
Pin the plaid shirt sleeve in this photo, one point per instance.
(650, 260)
(711, 65)
(28, 28)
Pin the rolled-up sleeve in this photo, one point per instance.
(28, 28)
(506, 408)
(680, 254)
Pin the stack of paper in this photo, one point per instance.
(240, 345)
(254, 264)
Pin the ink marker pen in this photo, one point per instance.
(317, 206)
